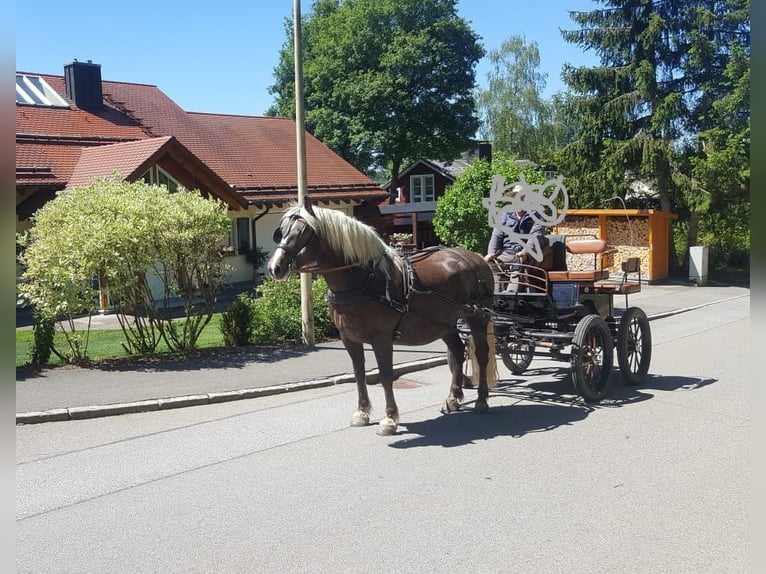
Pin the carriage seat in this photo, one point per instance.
(596, 247)
(630, 282)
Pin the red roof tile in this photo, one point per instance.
(132, 159)
(254, 155)
(105, 160)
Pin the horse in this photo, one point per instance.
(378, 297)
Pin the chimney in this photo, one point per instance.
(485, 151)
(83, 84)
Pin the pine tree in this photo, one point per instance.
(653, 105)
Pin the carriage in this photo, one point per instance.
(378, 297)
(570, 315)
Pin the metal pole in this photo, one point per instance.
(307, 309)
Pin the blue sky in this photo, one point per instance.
(219, 56)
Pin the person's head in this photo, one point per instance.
(518, 200)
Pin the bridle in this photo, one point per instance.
(305, 235)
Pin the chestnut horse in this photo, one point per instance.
(378, 297)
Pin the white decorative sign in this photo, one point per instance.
(539, 201)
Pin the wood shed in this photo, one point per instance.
(643, 233)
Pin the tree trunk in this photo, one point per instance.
(663, 188)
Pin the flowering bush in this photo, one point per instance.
(401, 237)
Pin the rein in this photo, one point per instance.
(314, 268)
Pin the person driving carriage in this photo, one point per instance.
(506, 250)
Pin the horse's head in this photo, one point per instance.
(320, 240)
(292, 237)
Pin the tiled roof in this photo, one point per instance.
(132, 159)
(103, 161)
(254, 155)
(451, 168)
(49, 165)
(276, 163)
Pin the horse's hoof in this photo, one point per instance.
(387, 427)
(360, 419)
(481, 407)
(450, 405)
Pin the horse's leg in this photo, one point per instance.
(481, 348)
(384, 355)
(362, 415)
(455, 359)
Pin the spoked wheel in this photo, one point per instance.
(517, 354)
(592, 358)
(634, 345)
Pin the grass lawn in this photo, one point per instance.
(107, 343)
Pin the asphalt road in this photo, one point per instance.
(656, 479)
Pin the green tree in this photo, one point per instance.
(650, 106)
(461, 219)
(515, 116)
(385, 81)
(719, 157)
(124, 237)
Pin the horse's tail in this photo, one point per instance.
(491, 359)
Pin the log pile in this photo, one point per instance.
(629, 236)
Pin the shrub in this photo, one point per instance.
(237, 321)
(116, 234)
(277, 311)
(44, 332)
(461, 219)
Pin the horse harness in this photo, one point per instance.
(376, 287)
(371, 290)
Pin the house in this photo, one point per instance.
(77, 126)
(419, 186)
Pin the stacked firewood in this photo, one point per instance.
(629, 237)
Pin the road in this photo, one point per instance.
(655, 479)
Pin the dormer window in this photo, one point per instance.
(35, 91)
(158, 176)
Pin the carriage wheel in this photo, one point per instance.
(517, 354)
(634, 345)
(592, 358)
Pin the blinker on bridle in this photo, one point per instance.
(305, 235)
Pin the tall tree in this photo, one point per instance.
(644, 107)
(515, 117)
(386, 81)
(719, 157)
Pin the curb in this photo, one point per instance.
(96, 411)
(695, 307)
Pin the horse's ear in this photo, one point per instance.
(307, 205)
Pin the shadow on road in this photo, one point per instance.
(544, 408)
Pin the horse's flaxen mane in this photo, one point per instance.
(356, 241)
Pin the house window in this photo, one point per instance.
(422, 188)
(243, 235)
(34, 91)
(164, 179)
(158, 176)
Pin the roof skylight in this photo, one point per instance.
(35, 91)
